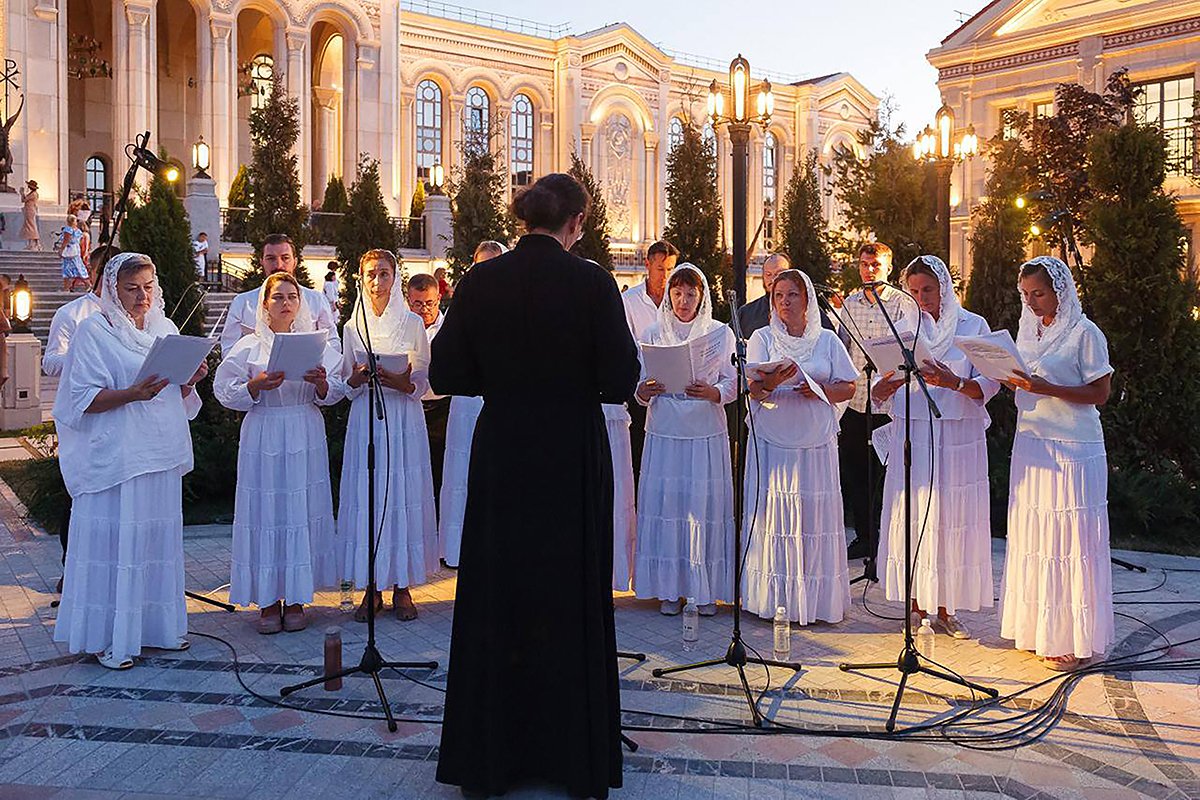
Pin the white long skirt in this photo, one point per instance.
(797, 547)
(123, 582)
(1057, 587)
(283, 529)
(952, 568)
(456, 467)
(616, 420)
(685, 520)
(405, 518)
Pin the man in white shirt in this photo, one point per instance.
(424, 299)
(861, 316)
(200, 253)
(278, 253)
(641, 311)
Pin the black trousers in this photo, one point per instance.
(64, 528)
(437, 414)
(637, 436)
(854, 450)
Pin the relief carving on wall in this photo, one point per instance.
(618, 173)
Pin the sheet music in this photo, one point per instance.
(294, 354)
(888, 357)
(677, 365)
(175, 357)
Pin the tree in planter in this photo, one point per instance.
(480, 208)
(158, 226)
(594, 242)
(694, 213)
(239, 204)
(416, 210)
(802, 227)
(274, 176)
(333, 203)
(365, 226)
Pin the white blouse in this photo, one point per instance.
(682, 417)
(411, 339)
(1080, 360)
(787, 418)
(102, 450)
(62, 327)
(249, 357)
(952, 404)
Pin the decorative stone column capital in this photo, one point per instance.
(297, 39)
(587, 131)
(221, 25)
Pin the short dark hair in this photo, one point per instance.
(422, 281)
(685, 277)
(331, 266)
(100, 257)
(875, 249)
(661, 248)
(551, 201)
(281, 238)
(330, 276)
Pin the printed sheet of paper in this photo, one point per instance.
(175, 357)
(885, 351)
(395, 363)
(995, 355)
(294, 354)
(759, 371)
(881, 440)
(816, 387)
(677, 365)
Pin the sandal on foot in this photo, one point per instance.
(402, 602)
(670, 608)
(270, 623)
(360, 613)
(180, 645)
(1060, 663)
(293, 618)
(110, 660)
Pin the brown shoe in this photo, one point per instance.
(402, 602)
(269, 620)
(293, 618)
(360, 614)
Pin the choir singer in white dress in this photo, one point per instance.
(1057, 587)
(685, 497)
(796, 555)
(405, 520)
(124, 448)
(460, 431)
(950, 504)
(283, 529)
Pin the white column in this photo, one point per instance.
(452, 131)
(650, 192)
(587, 131)
(298, 78)
(224, 104)
(137, 105)
(407, 150)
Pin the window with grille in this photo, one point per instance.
(521, 141)
(674, 133)
(1043, 110)
(1008, 126)
(477, 117)
(95, 183)
(429, 127)
(1169, 105)
(262, 72)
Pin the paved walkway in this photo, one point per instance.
(184, 725)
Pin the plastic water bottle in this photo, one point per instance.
(783, 635)
(691, 624)
(927, 640)
(333, 659)
(347, 604)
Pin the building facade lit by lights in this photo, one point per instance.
(404, 83)
(1013, 53)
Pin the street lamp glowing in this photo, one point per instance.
(172, 174)
(716, 102)
(739, 88)
(21, 310)
(437, 177)
(1035, 229)
(200, 157)
(766, 101)
(1020, 202)
(945, 129)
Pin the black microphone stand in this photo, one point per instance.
(909, 662)
(869, 573)
(736, 656)
(372, 662)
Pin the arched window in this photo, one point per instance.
(262, 71)
(429, 127)
(521, 141)
(476, 116)
(769, 156)
(674, 134)
(95, 183)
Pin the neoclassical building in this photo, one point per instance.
(1013, 53)
(403, 82)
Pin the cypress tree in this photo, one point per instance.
(694, 213)
(801, 225)
(479, 206)
(594, 243)
(365, 226)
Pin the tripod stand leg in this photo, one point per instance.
(631, 656)
(845, 667)
(960, 681)
(1128, 565)
(286, 690)
(755, 714)
(629, 743)
(712, 662)
(205, 599)
(891, 723)
(387, 708)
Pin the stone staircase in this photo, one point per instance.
(42, 271)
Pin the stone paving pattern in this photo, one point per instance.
(184, 725)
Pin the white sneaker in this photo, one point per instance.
(110, 660)
(952, 626)
(670, 607)
(708, 610)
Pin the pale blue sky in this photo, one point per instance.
(881, 42)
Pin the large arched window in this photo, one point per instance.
(521, 141)
(476, 117)
(95, 174)
(674, 134)
(262, 71)
(769, 167)
(429, 127)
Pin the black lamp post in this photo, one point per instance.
(937, 147)
(21, 305)
(740, 121)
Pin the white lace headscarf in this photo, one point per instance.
(156, 324)
(1034, 339)
(941, 338)
(798, 348)
(671, 330)
(301, 323)
(384, 329)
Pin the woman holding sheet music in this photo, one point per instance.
(950, 503)
(1057, 587)
(796, 555)
(283, 529)
(124, 447)
(685, 497)
(405, 523)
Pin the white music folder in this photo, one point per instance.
(175, 357)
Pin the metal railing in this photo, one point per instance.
(323, 228)
(233, 224)
(487, 19)
(223, 276)
(716, 65)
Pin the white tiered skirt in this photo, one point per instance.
(951, 518)
(460, 431)
(685, 520)
(124, 581)
(283, 529)
(797, 547)
(1057, 587)
(616, 420)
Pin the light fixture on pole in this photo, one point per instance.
(200, 157)
(437, 178)
(21, 305)
(939, 146)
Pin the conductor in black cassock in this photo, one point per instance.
(532, 692)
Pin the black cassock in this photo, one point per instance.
(532, 692)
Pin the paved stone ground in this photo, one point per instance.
(182, 725)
